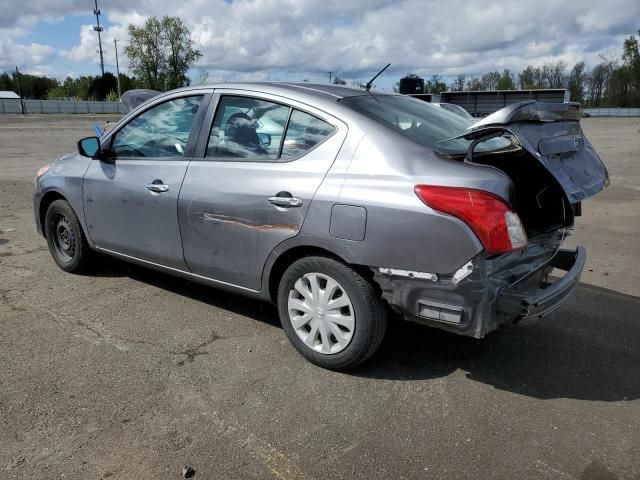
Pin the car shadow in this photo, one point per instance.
(588, 350)
(248, 307)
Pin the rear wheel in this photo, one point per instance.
(66, 240)
(331, 314)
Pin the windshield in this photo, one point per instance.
(421, 122)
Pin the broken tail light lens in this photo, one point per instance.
(497, 226)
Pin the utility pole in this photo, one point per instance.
(330, 74)
(99, 29)
(19, 92)
(115, 43)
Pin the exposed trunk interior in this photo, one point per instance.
(538, 199)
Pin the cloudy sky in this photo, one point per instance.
(304, 39)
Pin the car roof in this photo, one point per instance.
(302, 91)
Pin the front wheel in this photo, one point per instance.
(331, 314)
(66, 240)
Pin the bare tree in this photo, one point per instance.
(577, 79)
(458, 84)
(490, 80)
(474, 84)
(554, 73)
(597, 83)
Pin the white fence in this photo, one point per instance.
(60, 106)
(613, 112)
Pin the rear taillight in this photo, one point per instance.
(492, 220)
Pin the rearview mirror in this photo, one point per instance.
(265, 139)
(89, 147)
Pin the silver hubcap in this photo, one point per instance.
(321, 313)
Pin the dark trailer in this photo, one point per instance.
(481, 103)
(411, 84)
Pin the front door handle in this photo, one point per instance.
(158, 187)
(285, 202)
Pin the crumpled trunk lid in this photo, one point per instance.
(551, 133)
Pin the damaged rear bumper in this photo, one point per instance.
(497, 290)
(542, 300)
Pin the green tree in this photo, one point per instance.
(128, 83)
(6, 83)
(506, 80)
(531, 77)
(181, 53)
(112, 96)
(102, 85)
(435, 85)
(58, 93)
(160, 53)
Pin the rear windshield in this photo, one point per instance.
(421, 122)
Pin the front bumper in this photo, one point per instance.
(37, 198)
(500, 290)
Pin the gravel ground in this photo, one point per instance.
(130, 373)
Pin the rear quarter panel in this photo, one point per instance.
(379, 171)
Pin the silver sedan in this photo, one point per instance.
(337, 204)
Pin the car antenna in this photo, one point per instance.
(369, 84)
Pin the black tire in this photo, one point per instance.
(66, 240)
(370, 312)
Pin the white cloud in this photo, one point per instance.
(13, 54)
(306, 38)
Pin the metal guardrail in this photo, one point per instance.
(613, 112)
(60, 106)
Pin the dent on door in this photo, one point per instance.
(233, 214)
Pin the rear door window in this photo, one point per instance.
(247, 128)
(304, 133)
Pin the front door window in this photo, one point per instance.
(161, 131)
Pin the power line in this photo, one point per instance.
(99, 29)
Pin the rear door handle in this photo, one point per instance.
(285, 202)
(158, 187)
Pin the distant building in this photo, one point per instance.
(8, 95)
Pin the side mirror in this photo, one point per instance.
(265, 139)
(89, 147)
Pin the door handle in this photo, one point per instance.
(285, 202)
(158, 187)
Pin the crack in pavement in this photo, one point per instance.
(194, 351)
